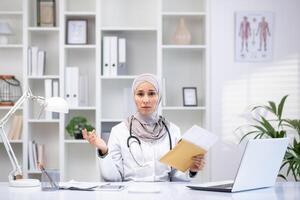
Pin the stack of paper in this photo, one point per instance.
(194, 142)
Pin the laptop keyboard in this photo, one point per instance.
(229, 185)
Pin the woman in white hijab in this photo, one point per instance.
(136, 144)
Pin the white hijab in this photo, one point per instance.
(147, 128)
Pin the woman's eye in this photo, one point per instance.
(140, 94)
(152, 93)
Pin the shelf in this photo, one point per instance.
(11, 13)
(116, 28)
(112, 120)
(76, 141)
(183, 13)
(183, 108)
(14, 141)
(9, 107)
(80, 14)
(184, 46)
(83, 108)
(11, 46)
(83, 46)
(118, 77)
(43, 77)
(34, 172)
(37, 29)
(43, 120)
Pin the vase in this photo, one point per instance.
(182, 35)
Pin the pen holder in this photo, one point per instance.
(50, 180)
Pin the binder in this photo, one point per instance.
(34, 60)
(41, 62)
(29, 61)
(106, 56)
(68, 79)
(122, 68)
(48, 94)
(113, 56)
(55, 93)
(72, 79)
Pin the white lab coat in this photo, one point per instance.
(119, 164)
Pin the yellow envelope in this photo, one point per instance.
(180, 157)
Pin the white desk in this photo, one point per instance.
(286, 191)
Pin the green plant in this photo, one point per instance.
(277, 127)
(76, 125)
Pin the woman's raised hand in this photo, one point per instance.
(95, 140)
(198, 163)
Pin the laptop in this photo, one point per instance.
(258, 168)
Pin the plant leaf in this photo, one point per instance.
(272, 107)
(280, 106)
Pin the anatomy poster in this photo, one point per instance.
(253, 36)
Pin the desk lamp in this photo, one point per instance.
(53, 104)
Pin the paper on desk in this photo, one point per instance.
(194, 142)
(75, 185)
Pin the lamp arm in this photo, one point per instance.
(16, 167)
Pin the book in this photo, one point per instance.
(194, 142)
(15, 128)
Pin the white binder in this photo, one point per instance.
(122, 68)
(106, 56)
(71, 86)
(41, 62)
(74, 86)
(55, 93)
(48, 94)
(29, 61)
(34, 60)
(113, 56)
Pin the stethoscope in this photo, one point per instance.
(137, 140)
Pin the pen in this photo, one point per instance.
(53, 184)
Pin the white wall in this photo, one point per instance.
(235, 85)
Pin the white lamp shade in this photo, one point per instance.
(5, 28)
(56, 104)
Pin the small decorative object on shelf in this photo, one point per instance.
(10, 90)
(76, 125)
(5, 31)
(189, 96)
(77, 31)
(46, 13)
(182, 34)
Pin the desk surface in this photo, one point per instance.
(284, 190)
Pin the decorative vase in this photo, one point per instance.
(182, 35)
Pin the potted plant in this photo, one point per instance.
(75, 126)
(278, 127)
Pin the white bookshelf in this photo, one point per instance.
(148, 27)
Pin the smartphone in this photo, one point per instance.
(110, 187)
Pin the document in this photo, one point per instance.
(195, 141)
(75, 185)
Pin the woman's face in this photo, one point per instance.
(146, 98)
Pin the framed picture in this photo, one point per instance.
(189, 96)
(76, 31)
(253, 36)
